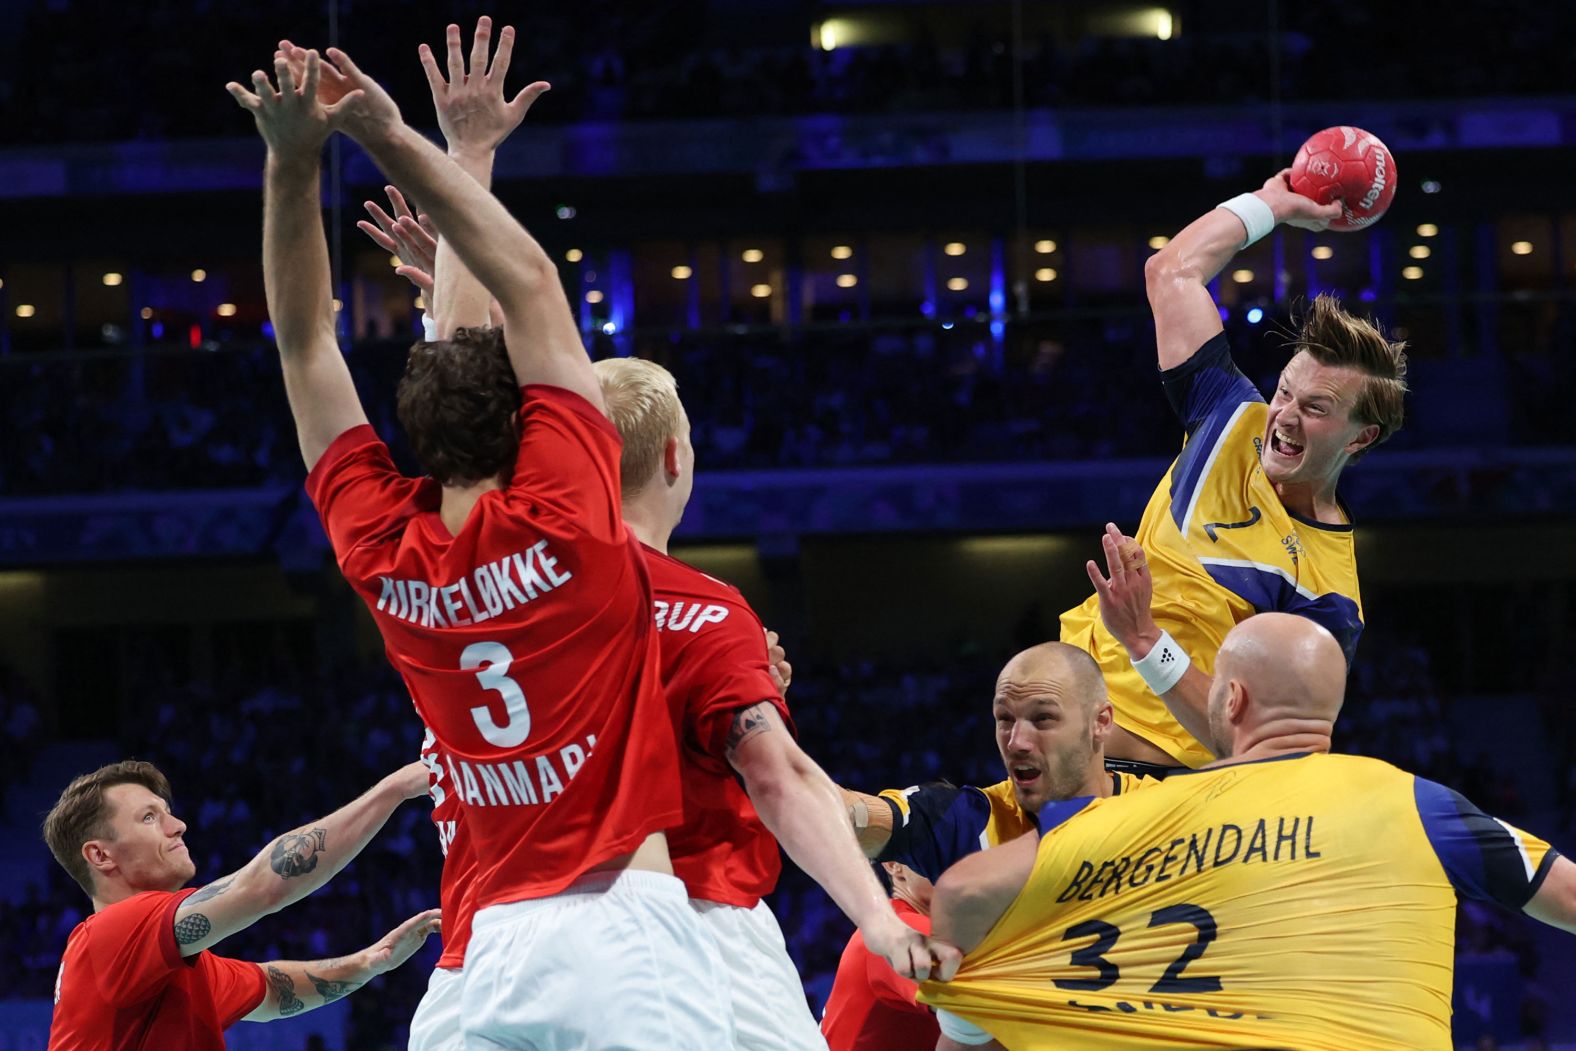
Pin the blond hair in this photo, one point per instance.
(643, 402)
(1331, 336)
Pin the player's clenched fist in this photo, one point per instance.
(910, 953)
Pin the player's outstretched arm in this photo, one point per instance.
(293, 865)
(1177, 277)
(804, 810)
(544, 343)
(294, 987)
(475, 119)
(974, 894)
(1125, 600)
(293, 121)
(871, 819)
(1555, 901)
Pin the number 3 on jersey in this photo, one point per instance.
(491, 661)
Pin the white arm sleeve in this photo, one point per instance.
(964, 1032)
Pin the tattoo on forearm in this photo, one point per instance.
(295, 853)
(747, 723)
(331, 990)
(212, 890)
(284, 985)
(191, 928)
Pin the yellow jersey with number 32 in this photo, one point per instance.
(1304, 902)
(1221, 548)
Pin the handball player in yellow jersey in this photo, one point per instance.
(1281, 898)
(1246, 520)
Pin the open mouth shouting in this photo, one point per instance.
(1025, 776)
(1284, 446)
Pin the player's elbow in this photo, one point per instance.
(956, 906)
(1165, 270)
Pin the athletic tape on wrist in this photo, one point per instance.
(1253, 212)
(429, 328)
(1164, 665)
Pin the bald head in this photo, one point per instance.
(1275, 669)
(1075, 674)
(1052, 718)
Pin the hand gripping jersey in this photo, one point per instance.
(871, 1006)
(1221, 548)
(526, 642)
(124, 986)
(457, 887)
(936, 824)
(1303, 902)
(714, 663)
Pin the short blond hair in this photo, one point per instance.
(643, 402)
(1331, 336)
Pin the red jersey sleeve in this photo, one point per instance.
(238, 987)
(568, 459)
(357, 490)
(131, 945)
(889, 987)
(724, 669)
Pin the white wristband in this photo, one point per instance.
(961, 1030)
(1253, 212)
(429, 328)
(1163, 667)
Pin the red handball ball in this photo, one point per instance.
(1349, 165)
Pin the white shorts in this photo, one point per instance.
(618, 960)
(769, 1009)
(436, 1024)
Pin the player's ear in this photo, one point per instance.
(1365, 437)
(1236, 701)
(672, 462)
(97, 857)
(1104, 719)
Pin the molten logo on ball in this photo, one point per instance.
(1349, 165)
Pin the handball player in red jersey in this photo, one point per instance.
(137, 974)
(510, 596)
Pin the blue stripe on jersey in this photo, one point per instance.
(1271, 589)
(1206, 391)
(1059, 810)
(1483, 857)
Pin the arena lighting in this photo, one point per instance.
(565, 211)
(1412, 273)
(608, 328)
(25, 310)
(829, 34)
(1419, 251)
(1427, 230)
(225, 310)
(112, 279)
(421, 304)
(1159, 241)
(1164, 25)
(1242, 277)
(842, 252)
(338, 305)
(396, 261)
(681, 273)
(760, 291)
(1045, 247)
(594, 296)
(1255, 315)
(199, 275)
(957, 284)
(947, 325)
(752, 255)
(955, 248)
(1322, 252)
(145, 313)
(1521, 247)
(847, 280)
(1431, 186)
(574, 255)
(1045, 273)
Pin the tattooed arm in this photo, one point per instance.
(805, 811)
(296, 987)
(292, 866)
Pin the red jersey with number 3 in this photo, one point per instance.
(457, 886)
(124, 985)
(713, 664)
(526, 642)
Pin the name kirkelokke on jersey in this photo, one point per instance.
(481, 594)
